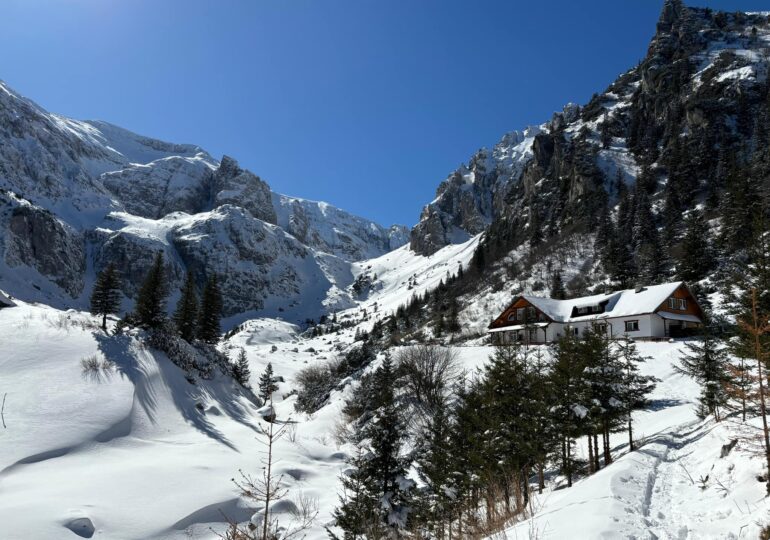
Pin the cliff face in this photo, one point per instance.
(693, 104)
(77, 196)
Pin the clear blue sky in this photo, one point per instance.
(367, 104)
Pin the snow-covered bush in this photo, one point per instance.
(318, 380)
(315, 385)
(200, 359)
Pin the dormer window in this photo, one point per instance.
(582, 310)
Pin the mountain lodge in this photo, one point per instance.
(654, 312)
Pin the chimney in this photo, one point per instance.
(640, 288)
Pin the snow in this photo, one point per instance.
(84, 452)
(674, 486)
(137, 451)
(619, 304)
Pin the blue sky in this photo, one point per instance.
(367, 104)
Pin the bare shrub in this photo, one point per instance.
(315, 384)
(428, 373)
(91, 364)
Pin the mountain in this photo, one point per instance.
(682, 124)
(78, 195)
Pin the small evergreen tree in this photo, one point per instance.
(210, 312)
(241, 370)
(707, 363)
(105, 298)
(266, 383)
(186, 314)
(634, 387)
(150, 309)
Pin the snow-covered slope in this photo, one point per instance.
(677, 484)
(137, 452)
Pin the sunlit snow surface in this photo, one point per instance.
(140, 453)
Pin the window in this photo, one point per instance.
(532, 334)
(683, 304)
(582, 310)
(531, 313)
(672, 303)
(602, 328)
(512, 317)
(632, 326)
(596, 309)
(520, 314)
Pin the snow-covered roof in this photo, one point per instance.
(5, 300)
(616, 304)
(518, 327)
(679, 316)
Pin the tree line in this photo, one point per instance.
(193, 319)
(481, 443)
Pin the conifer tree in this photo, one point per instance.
(696, 258)
(150, 309)
(645, 237)
(435, 467)
(186, 314)
(211, 312)
(752, 313)
(468, 451)
(267, 384)
(557, 286)
(105, 298)
(707, 363)
(377, 499)
(241, 370)
(569, 407)
(634, 387)
(518, 417)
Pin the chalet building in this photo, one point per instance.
(654, 312)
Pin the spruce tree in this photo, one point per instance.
(377, 499)
(557, 286)
(186, 314)
(645, 238)
(150, 308)
(435, 467)
(571, 400)
(696, 258)
(707, 363)
(634, 387)
(211, 312)
(241, 370)
(266, 383)
(105, 298)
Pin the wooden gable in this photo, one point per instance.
(683, 292)
(508, 317)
